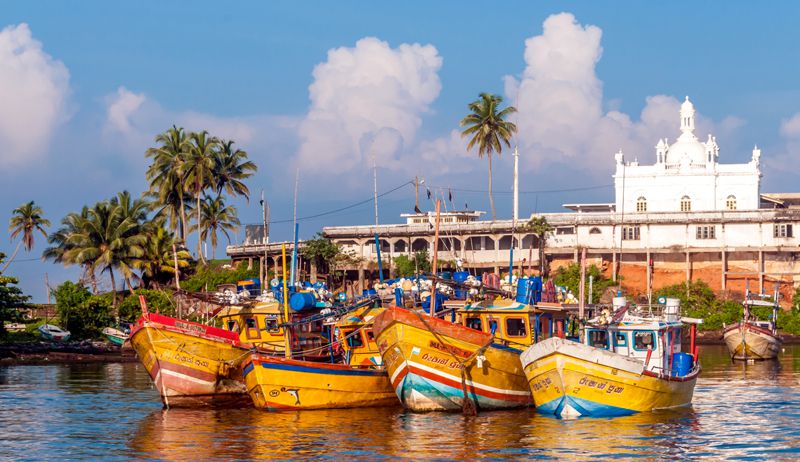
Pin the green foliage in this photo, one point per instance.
(11, 298)
(570, 277)
(209, 277)
(157, 300)
(405, 266)
(701, 302)
(321, 250)
(83, 314)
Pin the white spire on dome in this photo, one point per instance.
(687, 116)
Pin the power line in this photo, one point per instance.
(542, 191)
(341, 209)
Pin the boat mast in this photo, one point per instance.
(435, 252)
(288, 345)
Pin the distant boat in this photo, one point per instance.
(15, 327)
(54, 333)
(752, 338)
(115, 336)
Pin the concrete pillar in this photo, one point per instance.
(249, 263)
(313, 276)
(614, 266)
(360, 281)
(688, 268)
(724, 258)
(761, 271)
(648, 256)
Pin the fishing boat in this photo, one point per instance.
(352, 378)
(115, 336)
(752, 338)
(54, 333)
(628, 362)
(470, 365)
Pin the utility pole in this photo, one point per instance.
(264, 270)
(516, 184)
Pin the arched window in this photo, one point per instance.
(686, 204)
(641, 204)
(594, 230)
(730, 203)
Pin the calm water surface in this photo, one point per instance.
(111, 412)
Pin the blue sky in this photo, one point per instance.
(113, 75)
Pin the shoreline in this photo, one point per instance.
(14, 354)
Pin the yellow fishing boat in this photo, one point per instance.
(192, 363)
(276, 383)
(631, 362)
(439, 365)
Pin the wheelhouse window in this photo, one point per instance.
(354, 340)
(686, 204)
(493, 326)
(598, 339)
(515, 327)
(644, 340)
(250, 323)
(271, 325)
(233, 326)
(730, 202)
(620, 339)
(782, 230)
(641, 204)
(630, 233)
(474, 323)
(706, 232)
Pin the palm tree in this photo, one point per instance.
(166, 175)
(488, 129)
(158, 260)
(230, 168)
(217, 216)
(539, 226)
(72, 224)
(26, 220)
(198, 169)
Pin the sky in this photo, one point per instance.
(318, 91)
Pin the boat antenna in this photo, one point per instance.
(375, 181)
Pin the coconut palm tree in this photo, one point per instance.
(230, 168)
(539, 226)
(198, 170)
(26, 220)
(488, 129)
(166, 176)
(216, 216)
(72, 224)
(158, 260)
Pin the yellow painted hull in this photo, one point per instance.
(188, 368)
(569, 386)
(427, 377)
(285, 384)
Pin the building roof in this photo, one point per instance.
(591, 207)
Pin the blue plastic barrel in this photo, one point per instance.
(460, 276)
(440, 298)
(302, 300)
(446, 275)
(524, 290)
(682, 364)
(398, 296)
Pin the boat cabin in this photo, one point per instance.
(651, 335)
(514, 323)
(356, 339)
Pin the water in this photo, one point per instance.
(111, 412)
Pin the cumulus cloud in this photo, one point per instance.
(121, 106)
(560, 101)
(367, 100)
(34, 89)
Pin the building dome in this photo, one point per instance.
(687, 146)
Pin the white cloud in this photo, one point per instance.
(367, 99)
(34, 89)
(121, 107)
(560, 101)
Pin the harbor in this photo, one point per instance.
(365, 232)
(49, 412)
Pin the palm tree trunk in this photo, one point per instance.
(114, 292)
(491, 198)
(199, 241)
(183, 218)
(12, 257)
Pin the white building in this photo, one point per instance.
(687, 176)
(685, 217)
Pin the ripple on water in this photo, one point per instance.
(111, 412)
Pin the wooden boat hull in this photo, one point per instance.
(278, 384)
(426, 375)
(569, 379)
(745, 341)
(115, 336)
(190, 364)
